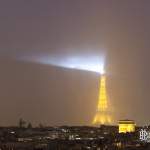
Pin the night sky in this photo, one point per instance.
(40, 38)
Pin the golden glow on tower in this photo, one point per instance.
(126, 126)
(102, 103)
(102, 116)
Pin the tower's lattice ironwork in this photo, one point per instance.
(102, 115)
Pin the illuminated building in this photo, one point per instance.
(102, 115)
(126, 126)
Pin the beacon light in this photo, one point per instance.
(90, 63)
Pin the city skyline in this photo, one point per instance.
(50, 52)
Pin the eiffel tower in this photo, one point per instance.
(102, 115)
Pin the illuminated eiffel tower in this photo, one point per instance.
(102, 115)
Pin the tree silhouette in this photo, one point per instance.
(29, 126)
(22, 123)
(41, 125)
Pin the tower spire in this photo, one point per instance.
(102, 115)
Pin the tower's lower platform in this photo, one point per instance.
(102, 118)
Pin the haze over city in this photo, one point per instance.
(51, 52)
